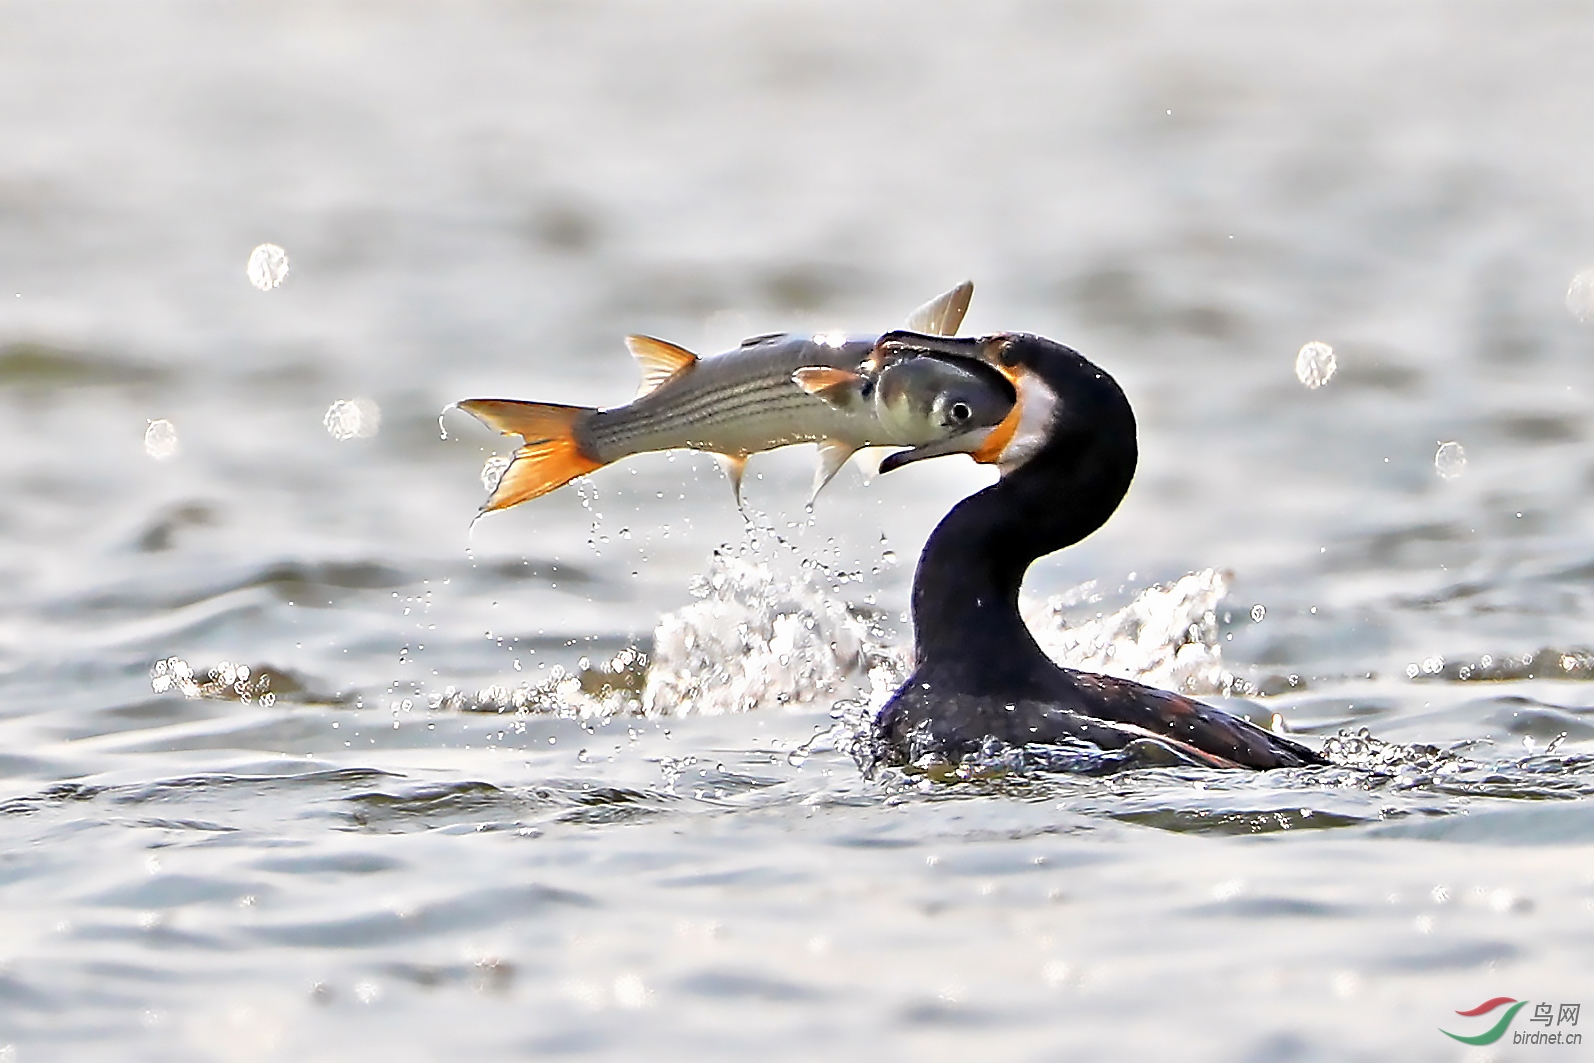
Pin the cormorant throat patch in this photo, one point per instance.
(1037, 411)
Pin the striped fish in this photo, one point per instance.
(838, 391)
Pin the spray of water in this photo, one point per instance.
(1450, 460)
(267, 267)
(160, 440)
(1315, 364)
(352, 419)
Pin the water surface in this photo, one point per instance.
(416, 827)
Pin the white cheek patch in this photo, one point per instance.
(1037, 410)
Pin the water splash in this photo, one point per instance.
(1548, 663)
(227, 681)
(758, 641)
(560, 694)
(598, 691)
(1360, 750)
(494, 470)
(160, 440)
(850, 733)
(267, 267)
(1461, 770)
(587, 492)
(1315, 364)
(1166, 637)
(353, 419)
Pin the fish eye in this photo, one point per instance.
(960, 412)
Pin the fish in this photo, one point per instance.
(774, 390)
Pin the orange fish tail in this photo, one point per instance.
(552, 456)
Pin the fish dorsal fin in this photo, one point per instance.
(734, 465)
(839, 387)
(660, 360)
(942, 315)
(833, 454)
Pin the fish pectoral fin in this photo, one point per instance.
(552, 456)
(734, 465)
(868, 460)
(838, 387)
(660, 360)
(942, 315)
(833, 454)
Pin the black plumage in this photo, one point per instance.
(980, 673)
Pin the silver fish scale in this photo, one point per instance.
(737, 403)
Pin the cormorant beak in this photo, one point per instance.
(901, 341)
(967, 443)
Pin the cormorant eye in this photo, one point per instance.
(960, 412)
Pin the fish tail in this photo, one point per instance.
(552, 456)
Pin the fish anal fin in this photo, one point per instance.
(734, 465)
(839, 387)
(942, 315)
(833, 454)
(552, 456)
(659, 359)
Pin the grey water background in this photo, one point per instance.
(481, 199)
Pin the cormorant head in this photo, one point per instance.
(1066, 404)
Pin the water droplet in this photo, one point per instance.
(268, 266)
(1315, 364)
(631, 992)
(1580, 296)
(353, 419)
(1503, 900)
(160, 440)
(493, 471)
(1258, 613)
(1450, 460)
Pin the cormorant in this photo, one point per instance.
(1067, 455)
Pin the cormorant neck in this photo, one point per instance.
(965, 591)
